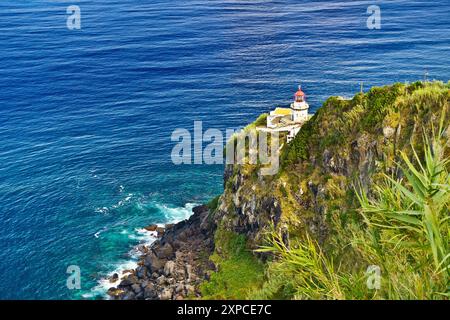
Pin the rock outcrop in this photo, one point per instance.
(174, 266)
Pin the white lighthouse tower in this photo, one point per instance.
(299, 106)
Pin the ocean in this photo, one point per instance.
(86, 115)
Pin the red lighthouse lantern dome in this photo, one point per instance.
(299, 95)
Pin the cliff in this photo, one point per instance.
(308, 231)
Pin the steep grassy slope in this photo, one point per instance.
(316, 224)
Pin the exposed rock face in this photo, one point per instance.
(175, 264)
(249, 206)
(242, 208)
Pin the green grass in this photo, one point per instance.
(239, 271)
(311, 274)
(213, 204)
(340, 121)
(298, 148)
(261, 120)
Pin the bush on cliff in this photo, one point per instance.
(239, 272)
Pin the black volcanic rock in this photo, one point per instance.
(173, 267)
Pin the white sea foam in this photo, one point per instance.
(175, 215)
(126, 200)
(97, 234)
(104, 284)
(145, 238)
(102, 210)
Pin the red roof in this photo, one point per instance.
(299, 93)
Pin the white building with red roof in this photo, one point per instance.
(290, 119)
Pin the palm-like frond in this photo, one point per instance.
(418, 204)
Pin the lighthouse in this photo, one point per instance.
(291, 119)
(299, 107)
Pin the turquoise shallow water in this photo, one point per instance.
(86, 116)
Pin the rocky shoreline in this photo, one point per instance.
(173, 267)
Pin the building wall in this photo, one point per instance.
(269, 121)
(300, 115)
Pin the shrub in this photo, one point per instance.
(239, 272)
(308, 272)
(411, 216)
(213, 204)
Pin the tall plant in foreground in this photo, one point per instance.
(410, 216)
(305, 269)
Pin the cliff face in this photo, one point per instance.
(348, 145)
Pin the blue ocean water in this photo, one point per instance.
(86, 115)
